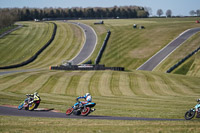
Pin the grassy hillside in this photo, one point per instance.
(21, 44)
(67, 43)
(130, 47)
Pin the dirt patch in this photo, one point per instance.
(10, 106)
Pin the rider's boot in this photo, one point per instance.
(93, 110)
(198, 115)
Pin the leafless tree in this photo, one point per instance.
(192, 12)
(198, 12)
(169, 13)
(159, 12)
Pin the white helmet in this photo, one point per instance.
(87, 94)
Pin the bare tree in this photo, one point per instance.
(148, 9)
(169, 13)
(159, 12)
(192, 12)
(198, 12)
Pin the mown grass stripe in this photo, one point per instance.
(73, 84)
(114, 84)
(60, 87)
(104, 84)
(144, 86)
(37, 83)
(17, 78)
(173, 85)
(83, 86)
(153, 85)
(94, 84)
(124, 85)
(134, 85)
(162, 85)
(50, 83)
(21, 85)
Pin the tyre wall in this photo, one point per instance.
(183, 60)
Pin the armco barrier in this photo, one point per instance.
(97, 60)
(31, 59)
(85, 68)
(181, 61)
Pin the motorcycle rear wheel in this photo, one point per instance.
(85, 111)
(189, 114)
(32, 107)
(69, 111)
(21, 105)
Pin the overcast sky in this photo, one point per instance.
(178, 7)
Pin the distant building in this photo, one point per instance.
(36, 20)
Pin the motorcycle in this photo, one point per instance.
(191, 113)
(81, 108)
(27, 105)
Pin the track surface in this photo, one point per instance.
(8, 32)
(155, 60)
(89, 46)
(8, 111)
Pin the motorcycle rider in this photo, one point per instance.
(198, 109)
(32, 96)
(87, 97)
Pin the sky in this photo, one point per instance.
(178, 7)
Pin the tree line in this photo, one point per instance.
(7, 17)
(24, 14)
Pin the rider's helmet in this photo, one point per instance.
(35, 93)
(87, 94)
(198, 100)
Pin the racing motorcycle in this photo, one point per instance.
(81, 108)
(27, 105)
(191, 113)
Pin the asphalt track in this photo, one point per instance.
(155, 60)
(89, 45)
(9, 111)
(8, 32)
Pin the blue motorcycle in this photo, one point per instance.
(191, 113)
(81, 108)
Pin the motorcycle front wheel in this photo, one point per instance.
(32, 106)
(85, 111)
(189, 114)
(69, 111)
(21, 106)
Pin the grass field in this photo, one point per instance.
(137, 94)
(130, 93)
(9, 124)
